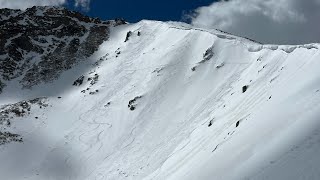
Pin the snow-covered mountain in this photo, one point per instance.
(84, 99)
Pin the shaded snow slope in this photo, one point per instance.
(172, 102)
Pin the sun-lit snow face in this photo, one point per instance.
(273, 21)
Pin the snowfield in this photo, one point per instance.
(173, 102)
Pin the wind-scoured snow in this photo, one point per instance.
(172, 102)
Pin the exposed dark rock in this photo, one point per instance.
(210, 123)
(128, 36)
(42, 42)
(108, 104)
(259, 59)
(17, 110)
(94, 92)
(103, 58)
(2, 85)
(220, 66)
(119, 21)
(7, 137)
(79, 81)
(207, 55)
(132, 108)
(132, 103)
(244, 88)
(237, 124)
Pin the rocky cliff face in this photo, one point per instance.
(38, 44)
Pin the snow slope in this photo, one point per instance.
(185, 87)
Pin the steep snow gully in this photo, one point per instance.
(164, 100)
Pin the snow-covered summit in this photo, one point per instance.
(165, 100)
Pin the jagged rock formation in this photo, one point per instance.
(17, 110)
(38, 44)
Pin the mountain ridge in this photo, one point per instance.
(158, 100)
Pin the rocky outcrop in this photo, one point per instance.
(9, 112)
(38, 44)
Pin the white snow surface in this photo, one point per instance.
(167, 137)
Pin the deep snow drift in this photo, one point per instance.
(172, 102)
